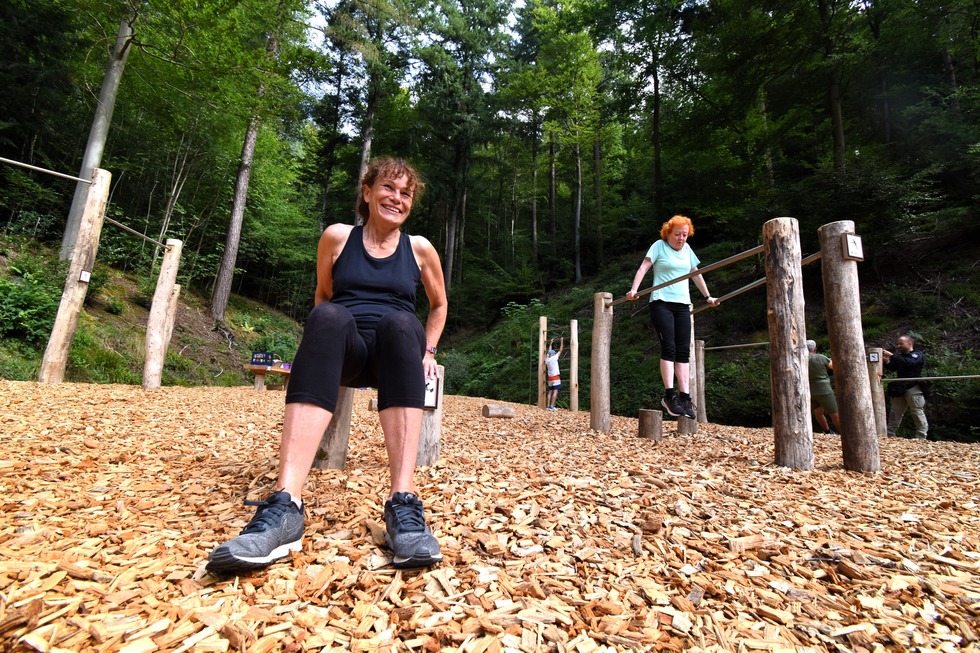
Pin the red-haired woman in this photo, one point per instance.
(362, 331)
(670, 309)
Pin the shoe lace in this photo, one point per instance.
(268, 515)
(407, 516)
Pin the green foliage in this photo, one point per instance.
(91, 362)
(28, 306)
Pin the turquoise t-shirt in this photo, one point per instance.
(669, 264)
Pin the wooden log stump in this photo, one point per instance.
(430, 438)
(332, 453)
(496, 410)
(686, 425)
(373, 404)
(651, 424)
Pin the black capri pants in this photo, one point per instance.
(672, 322)
(334, 351)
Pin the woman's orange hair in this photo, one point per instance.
(673, 223)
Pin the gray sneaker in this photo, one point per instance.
(407, 535)
(275, 530)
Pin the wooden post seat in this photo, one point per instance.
(332, 453)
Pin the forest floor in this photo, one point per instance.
(555, 537)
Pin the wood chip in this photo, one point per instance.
(555, 537)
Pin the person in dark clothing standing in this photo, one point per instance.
(907, 363)
(362, 331)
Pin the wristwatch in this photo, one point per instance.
(432, 350)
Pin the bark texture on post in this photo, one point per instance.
(573, 371)
(158, 329)
(842, 300)
(86, 245)
(430, 437)
(875, 371)
(332, 453)
(694, 381)
(686, 425)
(651, 424)
(701, 407)
(790, 383)
(542, 352)
(599, 417)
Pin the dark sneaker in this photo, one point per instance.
(407, 535)
(275, 530)
(673, 406)
(687, 407)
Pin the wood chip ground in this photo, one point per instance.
(556, 538)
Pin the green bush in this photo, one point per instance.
(28, 307)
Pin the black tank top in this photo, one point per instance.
(370, 287)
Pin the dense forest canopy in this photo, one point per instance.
(553, 136)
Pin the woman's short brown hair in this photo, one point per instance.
(673, 223)
(388, 167)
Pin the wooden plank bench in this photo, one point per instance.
(261, 370)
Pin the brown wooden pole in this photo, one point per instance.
(789, 378)
(702, 408)
(430, 438)
(694, 381)
(542, 352)
(332, 452)
(573, 371)
(600, 418)
(157, 328)
(651, 424)
(76, 283)
(842, 301)
(875, 371)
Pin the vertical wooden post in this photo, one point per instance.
(157, 327)
(573, 372)
(701, 408)
(789, 378)
(842, 300)
(332, 453)
(599, 417)
(76, 284)
(542, 352)
(430, 438)
(651, 424)
(875, 370)
(694, 381)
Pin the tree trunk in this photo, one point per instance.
(552, 190)
(534, 197)
(658, 174)
(578, 213)
(597, 171)
(99, 131)
(834, 99)
(226, 272)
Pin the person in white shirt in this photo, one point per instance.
(553, 375)
(670, 309)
